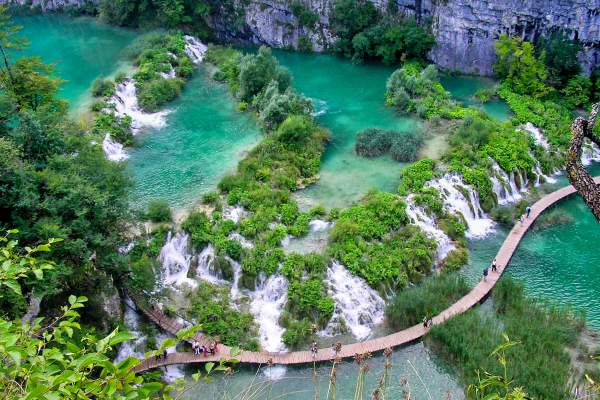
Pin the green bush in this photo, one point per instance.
(199, 227)
(103, 87)
(297, 333)
(414, 177)
(410, 306)
(118, 127)
(405, 148)
(159, 211)
(456, 259)
(373, 142)
(154, 93)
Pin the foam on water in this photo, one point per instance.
(478, 223)
(113, 150)
(537, 134)
(176, 260)
(428, 225)
(318, 225)
(360, 307)
(126, 103)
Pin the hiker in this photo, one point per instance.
(522, 219)
(485, 274)
(333, 348)
(528, 209)
(204, 350)
(494, 266)
(314, 349)
(165, 354)
(211, 348)
(425, 321)
(430, 322)
(196, 347)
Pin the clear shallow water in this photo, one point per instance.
(463, 88)
(349, 99)
(81, 48)
(204, 139)
(559, 263)
(430, 379)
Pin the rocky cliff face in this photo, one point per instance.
(50, 5)
(465, 30)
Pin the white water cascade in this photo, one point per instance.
(537, 134)
(205, 269)
(237, 274)
(195, 49)
(234, 213)
(318, 225)
(132, 322)
(589, 153)
(126, 103)
(176, 259)
(247, 244)
(504, 186)
(428, 225)
(113, 150)
(478, 223)
(268, 301)
(171, 373)
(356, 302)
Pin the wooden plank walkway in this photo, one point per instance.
(475, 296)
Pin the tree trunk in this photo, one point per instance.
(577, 174)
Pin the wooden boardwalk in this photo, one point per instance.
(475, 296)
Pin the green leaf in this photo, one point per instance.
(120, 337)
(72, 299)
(209, 366)
(14, 286)
(39, 274)
(16, 356)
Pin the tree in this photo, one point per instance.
(577, 91)
(576, 172)
(560, 54)
(519, 67)
(8, 38)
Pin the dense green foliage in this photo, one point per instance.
(412, 90)
(211, 309)
(403, 147)
(560, 54)
(372, 240)
(159, 211)
(364, 33)
(55, 183)
(542, 331)
(414, 177)
(410, 306)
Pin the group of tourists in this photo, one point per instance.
(159, 356)
(199, 349)
(427, 322)
(526, 215)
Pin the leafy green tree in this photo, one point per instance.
(577, 91)
(519, 67)
(257, 71)
(560, 54)
(9, 39)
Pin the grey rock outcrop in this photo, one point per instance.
(50, 5)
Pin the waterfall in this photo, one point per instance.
(268, 301)
(504, 185)
(318, 225)
(537, 134)
(113, 150)
(195, 49)
(131, 320)
(237, 274)
(478, 223)
(235, 213)
(126, 248)
(589, 153)
(126, 103)
(168, 75)
(205, 269)
(176, 259)
(537, 170)
(428, 225)
(243, 241)
(356, 302)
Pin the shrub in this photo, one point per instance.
(152, 94)
(410, 306)
(159, 211)
(414, 177)
(199, 227)
(258, 70)
(297, 333)
(456, 259)
(405, 148)
(118, 127)
(373, 142)
(103, 87)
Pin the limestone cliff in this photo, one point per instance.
(465, 30)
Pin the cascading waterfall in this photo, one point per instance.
(428, 225)
(318, 225)
(242, 240)
(478, 223)
(589, 153)
(237, 274)
(539, 174)
(234, 213)
(537, 134)
(195, 49)
(132, 322)
(126, 103)
(503, 185)
(359, 305)
(176, 260)
(205, 269)
(114, 150)
(268, 301)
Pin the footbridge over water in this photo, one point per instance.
(475, 296)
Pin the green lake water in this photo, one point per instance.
(463, 88)
(204, 138)
(81, 49)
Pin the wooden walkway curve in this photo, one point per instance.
(475, 296)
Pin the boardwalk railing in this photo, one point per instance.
(475, 296)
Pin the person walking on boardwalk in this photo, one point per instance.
(485, 274)
(522, 219)
(494, 266)
(528, 209)
(165, 354)
(314, 349)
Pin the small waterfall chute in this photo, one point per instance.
(537, 135)
(428, 225)
(195, 49)
(356, 303)
(131, 320)
(268, 301)
(205, 269)
(126, 104)
(176, 260)
(478, 223)
(113, 150)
